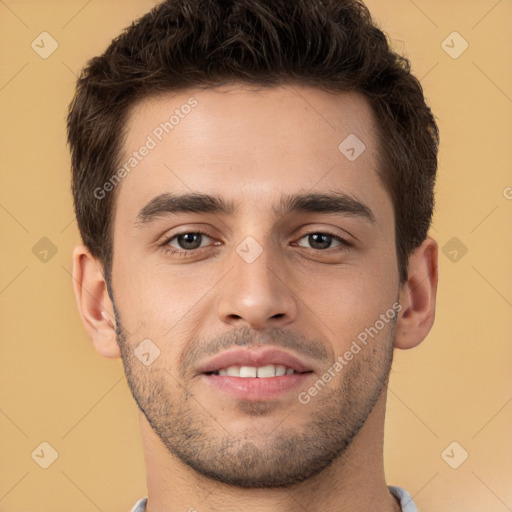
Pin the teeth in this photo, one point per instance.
(250, 371)
(265, 371)
(233, 371)
(280, 370)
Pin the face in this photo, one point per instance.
(244, 237)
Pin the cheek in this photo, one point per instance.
(345, 302)
(160, 302)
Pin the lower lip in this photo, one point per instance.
(254, 388)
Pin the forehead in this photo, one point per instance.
(248, 144)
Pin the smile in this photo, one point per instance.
(261, 372)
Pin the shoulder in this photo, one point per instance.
(404, 497)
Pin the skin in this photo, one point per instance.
(250, 147)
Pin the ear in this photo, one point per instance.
(93, 302)
(418, 296)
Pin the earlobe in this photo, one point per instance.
(94, 304)
(418, 296)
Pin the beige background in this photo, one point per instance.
(456, 386)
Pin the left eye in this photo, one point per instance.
(323, 240)
(187, 241)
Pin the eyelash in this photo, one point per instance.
(344, 244)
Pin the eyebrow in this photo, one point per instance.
(333, 202)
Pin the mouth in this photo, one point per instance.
(261, 372)
(256, 375)
(267, 362)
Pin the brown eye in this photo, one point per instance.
(322, 241)
(186, 242)
(189, 240)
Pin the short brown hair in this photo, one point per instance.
(333, 45)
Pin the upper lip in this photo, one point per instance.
(263, 357)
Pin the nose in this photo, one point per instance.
(257, 294)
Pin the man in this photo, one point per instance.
(253, 184)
